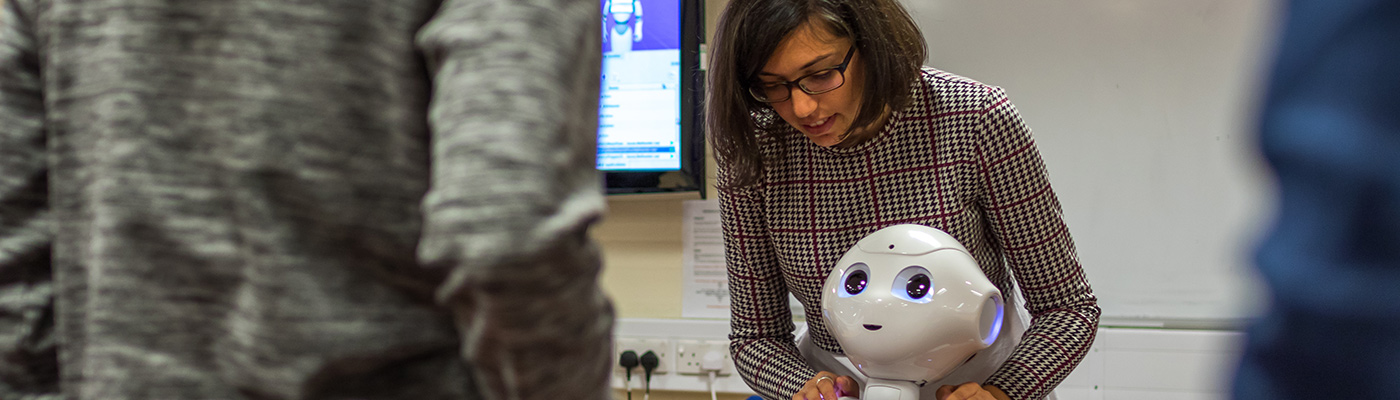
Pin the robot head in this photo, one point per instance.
(908, 302)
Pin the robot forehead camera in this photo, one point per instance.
(909, 303)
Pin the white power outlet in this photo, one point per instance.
(690, 354)
(641, 345)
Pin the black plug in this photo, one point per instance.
(649, 363)
(628, 360)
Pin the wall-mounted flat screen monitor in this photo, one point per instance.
(649, 134)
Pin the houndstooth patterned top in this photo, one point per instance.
(958, 158)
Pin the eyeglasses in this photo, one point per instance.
(814, 83)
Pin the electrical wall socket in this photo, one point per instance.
(660, 346)
(690, 353)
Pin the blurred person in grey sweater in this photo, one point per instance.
(329, 199)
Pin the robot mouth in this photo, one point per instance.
(872, 327)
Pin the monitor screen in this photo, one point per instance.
(639, 127)
(650, 138)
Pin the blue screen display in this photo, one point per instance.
(639, 127)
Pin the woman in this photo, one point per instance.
(826, 128)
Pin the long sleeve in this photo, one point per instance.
(1028, 226)
(761, 338)
(28, 358)
(513, 122)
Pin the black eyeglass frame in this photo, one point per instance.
(840, 69)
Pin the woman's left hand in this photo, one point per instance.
(970, 391)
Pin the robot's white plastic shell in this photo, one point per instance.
(888, 334)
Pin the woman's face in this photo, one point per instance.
(823, 118)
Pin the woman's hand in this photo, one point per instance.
(970, 391)
(827, 386)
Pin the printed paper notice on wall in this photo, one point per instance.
(706, 283)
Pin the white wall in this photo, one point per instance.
(1152, 364)
(1144, 113)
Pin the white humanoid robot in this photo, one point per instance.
(622, 23)
(908, 304)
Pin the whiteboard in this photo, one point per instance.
(1144, 112)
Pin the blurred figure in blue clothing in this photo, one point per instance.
(1331, 132)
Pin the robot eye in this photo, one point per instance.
(918, 286)
(855, 282)
(852, 281)
(914, 284)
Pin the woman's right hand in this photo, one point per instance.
(827, 386)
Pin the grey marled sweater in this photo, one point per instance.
(270, 199)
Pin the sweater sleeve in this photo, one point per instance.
(761, 327)
(28, 346)
(1028, 226)
(513, 124)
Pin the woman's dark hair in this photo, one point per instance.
(890, 46)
